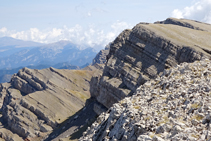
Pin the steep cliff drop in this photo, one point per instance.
(159, 77)
(142, 53)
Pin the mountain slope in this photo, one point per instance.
(37, 101)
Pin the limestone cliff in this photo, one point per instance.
(173, 107)
(140, 54)
(34, 102)
(100, 58)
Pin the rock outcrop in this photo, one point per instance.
(37, 101)
(173, 107)
(100, 58)
(140, 54)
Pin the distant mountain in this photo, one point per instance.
(16, 54)
(9, 45)
(6, 74)
(50, 54)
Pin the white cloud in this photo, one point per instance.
(95, 36)
(3, 29)
(200, 11)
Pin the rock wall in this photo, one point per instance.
(35, 102)
(140, 54)
(173, 107)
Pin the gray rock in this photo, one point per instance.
(175, 130)
(144, 138)
(159, 130)
(156, 138)
(100, 58)
(146, 114)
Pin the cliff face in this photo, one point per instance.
(100, 58)
(37, 101)
(173, 107)
(142, 53)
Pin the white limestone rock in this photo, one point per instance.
(175, 106)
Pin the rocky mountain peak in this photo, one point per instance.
(140, 54)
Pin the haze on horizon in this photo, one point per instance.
(90, 22)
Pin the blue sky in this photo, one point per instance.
(89, 22)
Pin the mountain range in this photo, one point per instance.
(16, 54)
(9, 45)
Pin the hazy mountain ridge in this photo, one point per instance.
(16, 54)
(5, 74)
(9, 45)
(63, 51)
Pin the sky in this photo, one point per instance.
(90, 22)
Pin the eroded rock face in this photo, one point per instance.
(142, 53)
(36, 101)
(175, 106)
(100, 58)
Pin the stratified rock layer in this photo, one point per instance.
(173, 107)
(142, 53)
(100, 58)
(36, 101)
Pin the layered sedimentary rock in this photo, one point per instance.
(34, 102)
(187, 23)
(173, 107)
(140, 54)
(100, 58)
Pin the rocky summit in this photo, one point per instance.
(155, 84)
(140, 54)
(35, 102)
(173, 107)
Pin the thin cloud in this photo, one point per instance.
(90, 36)
(3, 29)
(200, 11)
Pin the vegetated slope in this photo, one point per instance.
(175, 106)
(140, 54)
(34, 102)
